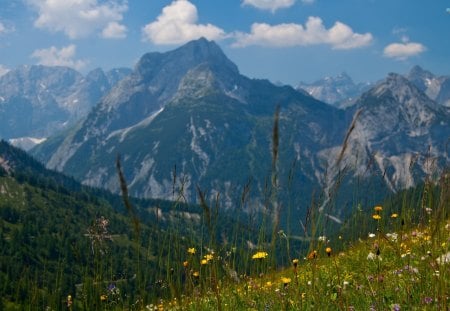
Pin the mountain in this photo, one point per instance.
(436, 87)
(400, 135)
(339, 91)
(190, 110)
(36, 101)
(186, 120)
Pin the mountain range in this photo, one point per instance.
(186, 120)
(341, 91)
(37, 101)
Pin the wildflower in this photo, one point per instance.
(427, 300)
(378, 208)
(191, 250)
(395, 307)
(312, 255)
(260, 255)
(443, 259)
(376, 216)
(209, 257)
(371, 235)
(195, 274)
(394, 215)
(268, 284)
(103, 297)
(69, 301)
(328, 251)
(295, 263)
(204, 262)
(392, 236)
(371, 256)
(185, 264)
(428, 210)
(322, 238)
(285, 281)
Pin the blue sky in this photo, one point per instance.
(282, 40)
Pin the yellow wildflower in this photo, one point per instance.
(204, 262)
(103, 297)
(191, 250)
(285, 280)
(208, 257)
(185, 264)
(195, 274)
(328, 251)
(394, 215)
(376, 216)
(260, 255)
(295, 262)
(378, 208)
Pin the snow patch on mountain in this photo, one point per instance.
(142, 173)
(125, 131)
(196, 148)
(26, 143)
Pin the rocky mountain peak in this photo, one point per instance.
(183, 58)
(397, 86)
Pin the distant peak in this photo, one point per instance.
(418, 71)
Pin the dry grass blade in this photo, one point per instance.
(126, 201)
(347, 137)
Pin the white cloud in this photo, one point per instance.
(340, 36)
(403, 50)
(80, 18)
(2, 28)
(3, 70)
(59, 57)
(177, 24)
(271, 5)
(114, 30)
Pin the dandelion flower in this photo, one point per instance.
(204, 262)
(209, 257)
(328, 251)
(285, 280)
(191, 250)
(103, 297)
(195, 274)
(376, 216)
(260, 255)
(394, 215)
(185, 264)
(378, 208)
